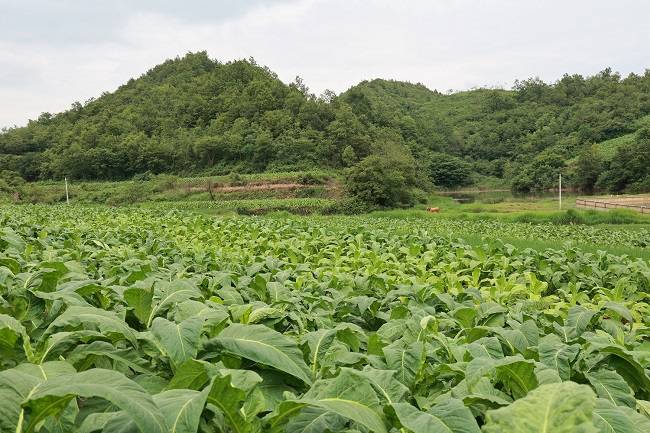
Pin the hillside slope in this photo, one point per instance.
(195, 115)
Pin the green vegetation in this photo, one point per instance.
(293, 205)
(194, 116)
(144, 320)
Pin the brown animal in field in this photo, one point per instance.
(433, 209)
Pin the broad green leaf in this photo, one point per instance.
(315, 420)
(515, 372)
(609, 385)
(348, 395)
(179, 340)
(483, 394)
(192, 374)
(619, 309)
(228, 392)
(557, 355)
(54, 394)
(556, 408)
(10, 330)
(19, 383)
(94, 319)
(451, 416)
(263, 345)
(385, 383)
(318, 342)
(611, 419)
(625, 362)
(406, 359)
(181, 408)
(577, 322)
(139, 299)
(171, 293)
(126, 357)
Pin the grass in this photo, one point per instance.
(542, 245)
(520, 209)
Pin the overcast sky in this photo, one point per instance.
(55, 52)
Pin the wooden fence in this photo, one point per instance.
(601, 204)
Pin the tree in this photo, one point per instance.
(384, 179)
(349, 157)
(449, 171)
(540, 174)
(629, 169)
(589, 166)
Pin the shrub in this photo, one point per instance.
(348, 206)
(382, 181)
(449, 171)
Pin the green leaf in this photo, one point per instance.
(127, 357)
(406, 359)
(228, 392)
(181, 408)
(624, 361)
(52, 396)
(451, 416)
(483, 393)
(557, 355)
(179, 340)
(94, 318)
(139, 299)
(556, 408)
(577, 322)
(172, 293)
(515, 372)
(10, 330)
(611, 419)
(318, 342)
(349, 395)
(192, 374)
(18, 383)
(263, 345)
(619, 309)
(385, 383)
(315, 420)
(611, 386)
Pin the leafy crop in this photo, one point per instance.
(127, 320)
(299, 205)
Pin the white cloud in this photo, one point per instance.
(336, 43)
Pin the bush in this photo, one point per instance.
(311, 179)
(165, 182)
(382, 180)
(140, 177)
(235, 179)
(130, 193)
(348, 206)
(449, 171)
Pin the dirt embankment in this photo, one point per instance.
(251, 187)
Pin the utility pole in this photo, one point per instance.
(67, 197)
(560, 191)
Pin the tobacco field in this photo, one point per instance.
(157, 321)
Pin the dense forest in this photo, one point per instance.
(195, 115)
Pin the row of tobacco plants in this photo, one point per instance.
(155, 321)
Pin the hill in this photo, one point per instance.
(194, 115)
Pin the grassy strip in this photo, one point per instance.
(298, 205)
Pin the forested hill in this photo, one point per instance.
(197, 115)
